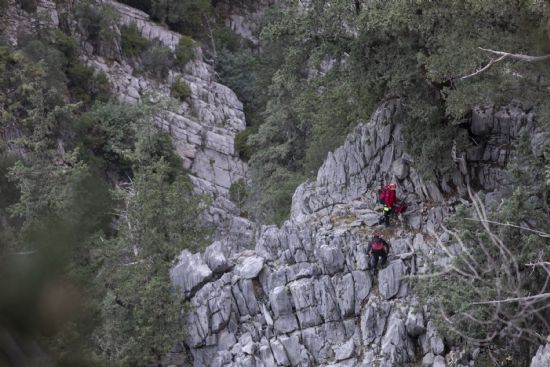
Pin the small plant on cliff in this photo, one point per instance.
(28, 5)
(180, 90)
(241, 144)
(238, 193)
(185, 50)
(158, 60)
(98, 21)
(133, 43)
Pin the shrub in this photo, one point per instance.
(182, 16)
(85, 85)
(226, 38)
(185, 50)
(180, 90)
(133, 44)
(241, 144)
(98, 22)
(28, 5)
(67, 45)
(157, 61)
(238, 193)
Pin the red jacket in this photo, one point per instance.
(389, 197)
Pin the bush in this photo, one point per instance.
(157, 60)
(98, 22)
(238, 193)
(185, 50)
(67, 45)
(133, 44)
(28, 5)
(225, 38)
(182, 16)
(180, 90)
(241, 144)
(85, 85)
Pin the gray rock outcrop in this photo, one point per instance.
(542, 358)
(314, 302)
(305, 296)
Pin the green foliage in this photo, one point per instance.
(57, 165)
(87, 84)
(491, 270)
(36, 51)
(237, 71)
(271, 202)
(185, 50)
(324, 69)
(241, 144)
(98, 22)
(39, 199)
(157, 60)
(226, 38)
(184, 16)
(238, 193)
(67, 45)
(28, 5)
(162, 216)
(133, 43)
(180, 90)
(124, 137)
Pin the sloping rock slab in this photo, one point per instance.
(389, 279)
(190, 273)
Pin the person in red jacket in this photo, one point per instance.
(388, 199)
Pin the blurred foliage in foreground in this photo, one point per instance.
(94, 206)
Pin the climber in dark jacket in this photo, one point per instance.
(377, 248)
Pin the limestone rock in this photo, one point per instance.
(397, 347)
(250, 267)
(216, 259)
(389, 279)
(542, 358)
(415, 323)
(344, 351)
(431, 341)
(400, 168)
(439, 361)
(189, 273)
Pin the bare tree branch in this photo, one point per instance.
(502, 56)
(520, 57)
(516, 299)
(540, 233)
(486, 67)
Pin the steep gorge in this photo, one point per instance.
(301, 294)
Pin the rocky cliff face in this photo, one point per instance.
(203, 127)
(244, 17)
(304, 297)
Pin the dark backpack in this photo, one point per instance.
(377, 245)
(401, 208)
